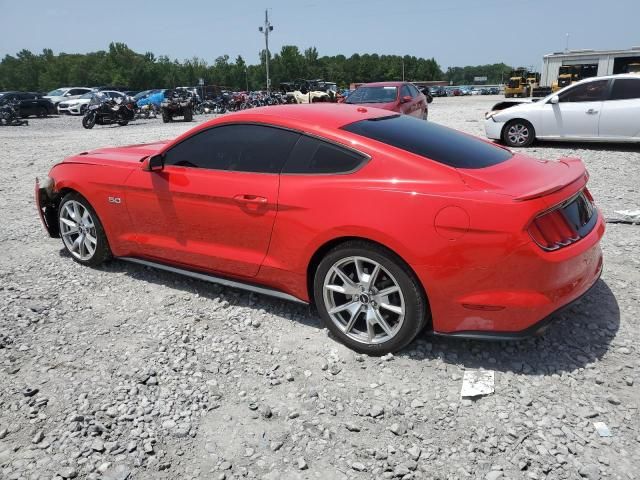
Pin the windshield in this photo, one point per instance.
(373, 95)
(431, 141)
(98, 97)
(142, 94)
(56, 93)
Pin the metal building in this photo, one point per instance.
(608, 62)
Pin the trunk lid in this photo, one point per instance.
(525, 178)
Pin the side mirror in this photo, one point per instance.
(153, 164)
(555, 99)
(405, 99)
(429, 98)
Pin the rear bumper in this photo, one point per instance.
(534, 330)
(513, 297)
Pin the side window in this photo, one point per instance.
(74, 91)
(405, 91)
(238, 148)
(625, 89)
(414, 91)
(312, 156)
(586, 92)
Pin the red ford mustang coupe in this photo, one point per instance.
(388, 223)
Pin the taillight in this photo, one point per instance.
(552, 231)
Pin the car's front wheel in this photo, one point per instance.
(368, 298)
(518, 133)
(81, 231)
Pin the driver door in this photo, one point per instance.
(213, 205)
(577, 114)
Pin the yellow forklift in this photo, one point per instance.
(569, 74)
(517, 85)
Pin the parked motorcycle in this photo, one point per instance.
(147, 111)
(10, 115)
(104, 110)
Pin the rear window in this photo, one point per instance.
(373, 95)
(430, 140)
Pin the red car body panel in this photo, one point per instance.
(462, 232)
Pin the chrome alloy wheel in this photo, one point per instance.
(78, 230)
(518, 134)
(364, 300)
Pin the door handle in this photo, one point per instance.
(246, 198)
(591, 111)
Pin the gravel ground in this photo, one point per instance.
(126, 372)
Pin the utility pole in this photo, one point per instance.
(265, 30)
(403, 69)
(566, 48)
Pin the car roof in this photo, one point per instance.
(607, 77)
(316, 116)
(383, 84)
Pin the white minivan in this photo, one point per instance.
(598, 109)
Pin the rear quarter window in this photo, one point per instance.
(430, 140)
(312, 156)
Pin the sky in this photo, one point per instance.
(458, 33)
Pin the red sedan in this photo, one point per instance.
(400, 97)
(387, 223)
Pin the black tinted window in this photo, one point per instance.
(625, 89)
(315, 156)
(405, 92)
(586, 92)
(240, 148)
(431, 141)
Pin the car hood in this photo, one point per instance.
(525, 178)
(119, 156)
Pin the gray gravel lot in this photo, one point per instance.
(126, 372)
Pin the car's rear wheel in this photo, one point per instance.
(81, 231)
(188, 115)
(42, 112)
(518, 133)
(368, 298)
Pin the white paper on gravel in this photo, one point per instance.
(602, 429)
(477, 383)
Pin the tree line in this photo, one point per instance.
(121, 66)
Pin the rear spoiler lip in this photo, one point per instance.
(572, 177)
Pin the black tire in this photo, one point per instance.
(123, 123)
(425, 114)
(188, 115)
(102, 251)
(89, 120)
(166, 118)
(42, 112)
(518, 133)
(416, 313)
